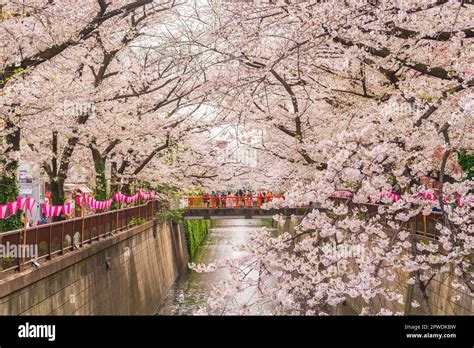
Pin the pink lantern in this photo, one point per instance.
(25, 203)
(3, 211)
(12, 207)
(47, 210)
(57, 210)
(66, 208)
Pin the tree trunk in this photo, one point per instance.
(114, 180)
(100, 190)
(127, 189)
(57, 173)
(57, 190)
(58, 169)
(8, 180)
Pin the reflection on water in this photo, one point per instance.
(191, 289)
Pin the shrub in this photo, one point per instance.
(196, 232)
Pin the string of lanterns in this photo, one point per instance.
(26, 204)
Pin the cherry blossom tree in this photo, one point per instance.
(88, 82)
(367, 97)
(372, 98)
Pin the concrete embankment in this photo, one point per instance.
(126, 274)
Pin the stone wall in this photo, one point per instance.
(127, 274)
(442, 298)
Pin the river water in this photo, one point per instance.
(191, 290)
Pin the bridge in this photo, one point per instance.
(234, 207)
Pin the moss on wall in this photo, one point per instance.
(269, 223)
(196, 232)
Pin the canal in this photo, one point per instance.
(191, 290)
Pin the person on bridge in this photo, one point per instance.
(223, 199)
(230, 202)
(248, 199)
(212, 197)
(43, 220)
(206, 200)
(238, 199)
(269, 196)
(254, 198)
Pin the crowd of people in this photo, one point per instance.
(231, 199)
(44, 220)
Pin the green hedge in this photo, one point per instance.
(466, 161)
(8, 193)
(196, 232)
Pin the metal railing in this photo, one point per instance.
(59, 237)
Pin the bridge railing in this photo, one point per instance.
(215, 202)
(46, 241)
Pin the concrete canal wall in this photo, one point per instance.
(127, 274)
